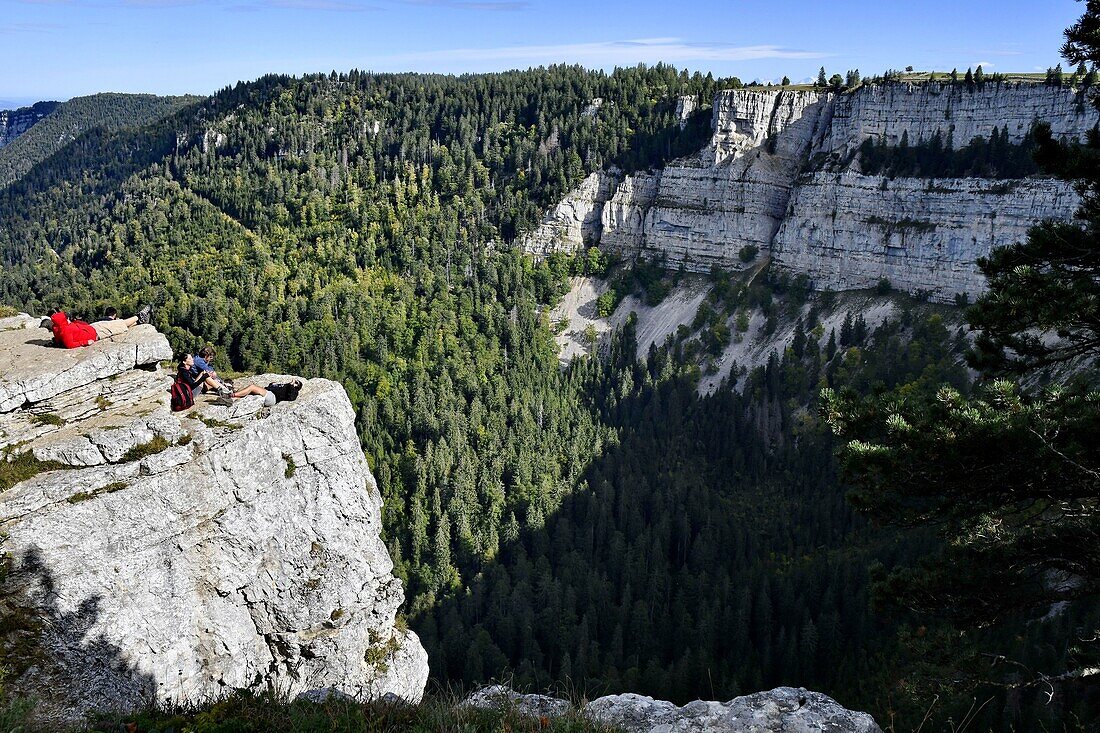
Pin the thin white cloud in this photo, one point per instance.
(984, 64)
(340, 6)
(248, 5)
(329, 5)
(608, 52)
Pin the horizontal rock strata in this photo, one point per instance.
(781, 174)
(173, 557)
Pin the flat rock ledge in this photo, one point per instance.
(782, 710)
(163, 557)
(32, 370)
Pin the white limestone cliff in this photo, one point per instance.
(848, 231)
(781, 175)
(172, 557)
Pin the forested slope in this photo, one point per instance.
(73, 118)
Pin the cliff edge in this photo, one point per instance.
(152, 556)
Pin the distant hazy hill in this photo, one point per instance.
(57, 129)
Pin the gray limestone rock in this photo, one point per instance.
(32, 370)
(782, 710)
(576, 221)
(241, 551)
(501, 697)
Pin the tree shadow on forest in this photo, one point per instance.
(53, 656)
(658, 575)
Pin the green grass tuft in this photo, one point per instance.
(108, 489)
(154, 446)
(211, 422)
(22, 467)
(47, 418)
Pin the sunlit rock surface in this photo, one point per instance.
(782, 710)
(172, 557)
(781, 174)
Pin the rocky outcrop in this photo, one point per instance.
(14, 122)
(781, 175)
(575, 222)
(173, 557)
(888, 112)
(782, 710)
(849, 231)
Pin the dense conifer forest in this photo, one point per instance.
(992, 157)
(602, 526)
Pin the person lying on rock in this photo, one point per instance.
(197, 379)
(274, 392)
(111, 325)
(72, 334)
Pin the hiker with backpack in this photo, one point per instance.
(188, 379)
(201, 365)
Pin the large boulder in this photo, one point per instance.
(173, 557)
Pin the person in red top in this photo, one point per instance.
(71, 334)
(74, 334)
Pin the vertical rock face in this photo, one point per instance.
(781, 174)
(576, 220)
(736, 191)
(215, 549)
(888, 111)
(14, 122)
(685, 107)
(849, 231)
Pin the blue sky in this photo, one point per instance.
(56, 49)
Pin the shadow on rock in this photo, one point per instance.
(45, 637)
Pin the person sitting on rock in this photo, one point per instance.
(111, 325)
(204, 358)
(197, 379)
(274, 392)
